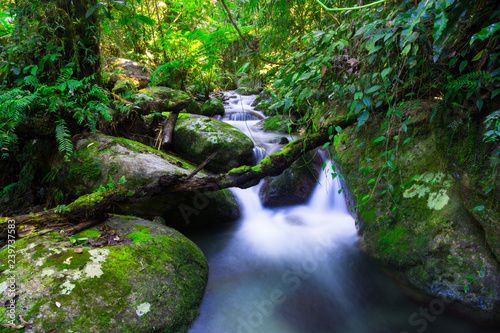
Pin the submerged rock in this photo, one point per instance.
(294, 186)
(152, 280)
(197, 137)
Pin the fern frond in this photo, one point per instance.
(472, 80)
(62, 136)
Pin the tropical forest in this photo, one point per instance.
(250, 166)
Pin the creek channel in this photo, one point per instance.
(299, 269)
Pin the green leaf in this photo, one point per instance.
(406, 141)
(326, 145)
(478, 208)
(375, 49)
(318, 33)
(365, 197)
(305, 76)
(391, 188)
(330, 130)
(478, 56)
(463, 64)
(338, 129)
(370, 181)
(144, 19)
(363, 118)
(385, 72)
(488, 190)
(391, 165)
(373, 89)
(485, 33)
(479, 104)
(93, 9)
(380, 138)
(16, 69)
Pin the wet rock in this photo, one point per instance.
(197, 137)
(294, 186)
(212, 107)
(169, 95)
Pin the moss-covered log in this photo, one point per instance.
(96, 205)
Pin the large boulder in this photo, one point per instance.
(294, 186)
(127, 275)
(105, 162)
(169, 95)
(429, 219)
(197, 137)
(212, 107)
(120, 68)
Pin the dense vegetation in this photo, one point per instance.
(316, 58)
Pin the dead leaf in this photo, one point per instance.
(24, 322)
(58, 304)
(78, 250)
(17, 327)
(51, 331)
(353, 62)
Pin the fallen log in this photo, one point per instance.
(168, 130)
(95, 206)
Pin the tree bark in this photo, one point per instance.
(96, 206)
(168, 130)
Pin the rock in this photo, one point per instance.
(197, 137)
(164, 93)
(152, 279)
(294, 186)
(119, 162)
(124, 86)
(263, 101)
(188, 211)
(212, 107)
(278, 123)
(120, 68)
(420, 219)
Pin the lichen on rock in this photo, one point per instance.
(155, 283)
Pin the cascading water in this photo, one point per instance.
(299, 270)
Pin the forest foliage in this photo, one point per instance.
(371, 61)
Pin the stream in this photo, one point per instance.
(299, 269)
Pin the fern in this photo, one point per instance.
(468, 81)
(62, 136)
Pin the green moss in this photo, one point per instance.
(88, 233)
(67, 260)
(87, 200)
(86, 166)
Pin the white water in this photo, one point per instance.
(298, 269)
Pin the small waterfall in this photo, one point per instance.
(242, 116)
(298, 269)
(258, 155)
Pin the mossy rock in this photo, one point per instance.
(294, 186)
(116, 69)
(102, 160)
(196, 138)
(124, 86)
(154, 281)
(415, 219)
(212, 107)
(173, 96)
(278, 123)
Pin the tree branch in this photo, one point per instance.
(95, 206)
(245, 40)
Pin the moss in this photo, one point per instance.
(88, 233)
(87, 200)
(86, 165)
